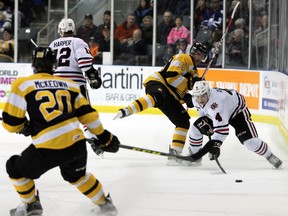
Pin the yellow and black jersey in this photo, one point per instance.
(174, 74)
(55, 107)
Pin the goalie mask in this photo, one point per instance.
(201, 91)
(198, 52)
(66, 26)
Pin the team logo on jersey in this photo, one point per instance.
(214, 106)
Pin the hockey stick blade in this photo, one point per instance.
(221, 40)
(150, 151)
(219, 165)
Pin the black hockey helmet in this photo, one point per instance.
(199, 47)
(43, 58)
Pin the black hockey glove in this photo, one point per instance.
(105, 142)
(94, 79)
(26, 131)
(204, 125)
(214, 151)
(188, 100)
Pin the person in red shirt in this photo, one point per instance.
(124, 31)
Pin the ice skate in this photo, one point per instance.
(108, 208)
(275, 161)
(122, 113)
(190, 163)
(31, 209)
(174, 161)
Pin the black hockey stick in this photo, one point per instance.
(150, 151)
(221, 41)
(217, 161)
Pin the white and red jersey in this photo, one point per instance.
(222, 105)
(73, 58)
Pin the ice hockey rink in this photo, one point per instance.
(141, 184)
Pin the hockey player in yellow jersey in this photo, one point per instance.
(168, 90)
(55, 108)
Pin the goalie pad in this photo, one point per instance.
(204, 125)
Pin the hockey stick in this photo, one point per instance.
(150, 151)
(33, 42)
(217, 161)
(221, 41)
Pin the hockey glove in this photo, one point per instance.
(26, 131)
(94, 79)
(188, 100)
(106, 142)
(214, 151)
(204, 125)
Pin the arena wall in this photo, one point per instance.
(265, 91)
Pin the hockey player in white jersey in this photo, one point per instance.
(217, 109)
(74, 60)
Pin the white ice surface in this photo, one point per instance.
(141, 184)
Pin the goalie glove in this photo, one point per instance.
(94, 79)
(204, 125)
(105, 142)
(214, 151)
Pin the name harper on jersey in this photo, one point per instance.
(50, 84)
(62, 43)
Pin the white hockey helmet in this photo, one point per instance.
(66, 25)
(200, 88)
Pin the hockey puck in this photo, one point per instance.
(238, 181)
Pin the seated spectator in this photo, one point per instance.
(183, 46)
(94, 47)
(131, 48)
(147, 29)
(125, 30)
(235, 49)
(178, 32)
(199, 13)
(104, 46)
(106, 24)
(183, 7)
(164, 27)
(213, 17)
(7, 46)
(144, 9)
(88, 29)
(5, 16)
(170, 50)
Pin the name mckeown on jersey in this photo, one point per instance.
(223, 105)
(73, 58)
(55, 106)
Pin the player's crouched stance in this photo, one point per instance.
(55, 108)
(219, 108)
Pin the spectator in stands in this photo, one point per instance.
(88, 29)
(179, 31)
(7, 46)
(215, 38)
(147, 29)
(237, 14)
(104, 46)
(144, 9)
(5, 16)
(183, 7)
(183, 46)
(106, 24)
(132, 47)
(199, 14)
(125, 30)
(235, 49)
(164, 27)
(170, 51)
(214, 16)
(39, 7)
